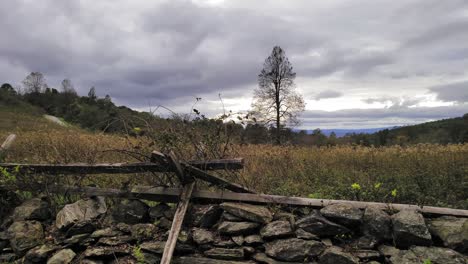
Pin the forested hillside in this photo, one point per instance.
(101, 114)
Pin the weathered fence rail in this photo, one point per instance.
(171, 195)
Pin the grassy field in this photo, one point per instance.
(423, 174)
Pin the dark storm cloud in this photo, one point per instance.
(453, 92)
(328, 94)
(169, 52)
(380, 117)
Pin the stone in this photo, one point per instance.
(410, 229)
(249, 212)
(376, 223)
(225, 253)
(64, 256)
(33, 209)
(263, 258)
(436, 255)
(276, 229)
(302, 234)
(91, 261)
(146, 258)
(76, 239)
(157, 247)
(124, 260)
(122, 227)
(342, 213)
(335, 255)
(202, 236)
(231, 218)
(223, 242)
(366, 242)
(25, 235)
(80, 213)
(8, 258)
(239, 240)
(106, 232)
(327, 242)
(318, 225)
(199, 260)
(131, 212)
(283, 216)
(452, 231)
(104, 251)
(248, 251)
(205, 216)
(253, 240)
(388, 251)
(293, 249)
(366, 255)
(142, 232)
(164, 223)
(157, 211)
(115, 241)
(40, 253)
(237, 228)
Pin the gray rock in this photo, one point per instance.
(205, 216)
(157, 211)
(377, 224)
(40, 253)
(106, 232)
(302, 234)
(436, 255)
(283, 216)
(202, 236)
(366, 242)
(157, 247)
(25, 235)
(64, 256)
(366, 255)
(318, 225)
(239, 240)
(253, 240)
(142, 232)
(77, 239)
(452, 231)
(263, 258)
(335, 255)
(388, 251)
(237, 228)
(164, 223)
(224, 242)
(8, 258)
(410, 229)
(249, 212)
(131, 212)
(225, 253)
(80, 213)
(342, 213)
(276, 229)
(33, 209)
(199, 260)
(91, 261)
(231, 218)
(293, 249)
(103, 251)
(115, 241)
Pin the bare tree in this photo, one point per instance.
(276, 102)
(34, 82)
(67, 87)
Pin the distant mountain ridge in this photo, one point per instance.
(340, 132)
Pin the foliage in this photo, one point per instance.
(276, 102)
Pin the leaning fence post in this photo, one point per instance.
(189, 184)
(6, 145)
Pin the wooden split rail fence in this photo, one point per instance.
(187, 173)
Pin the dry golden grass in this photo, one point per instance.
(424, 174)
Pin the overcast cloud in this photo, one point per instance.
(367, 63)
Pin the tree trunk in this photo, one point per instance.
(278, 123)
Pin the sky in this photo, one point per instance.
(359, 63)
